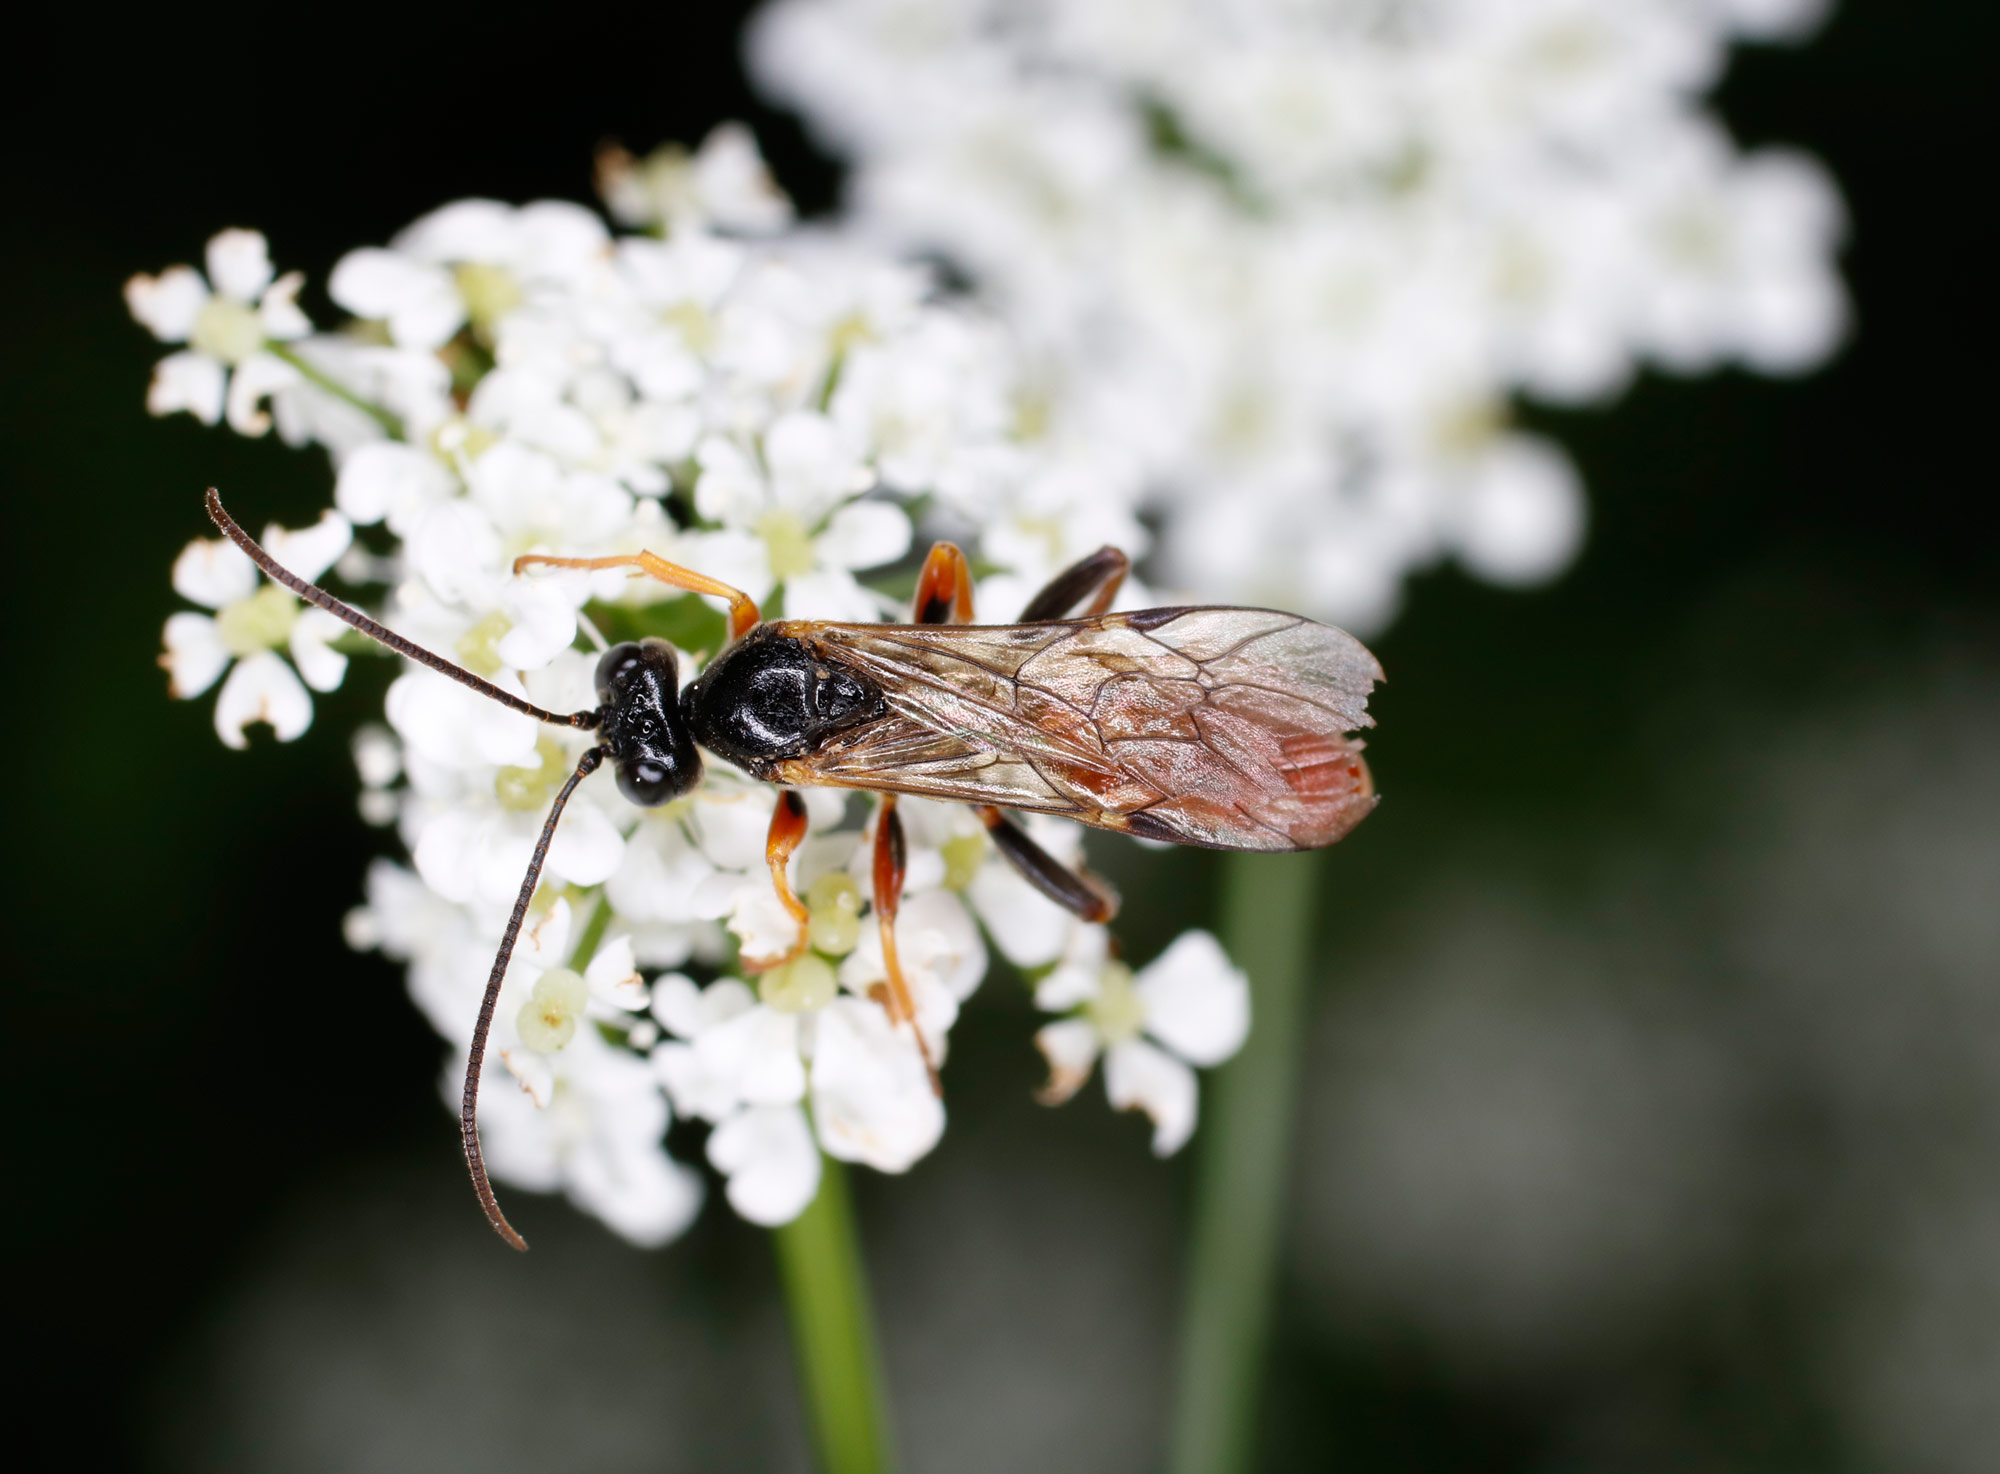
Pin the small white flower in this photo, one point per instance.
(724, 183)
(252, 621)
(872, 1099)
(772, 1162)
(598, 1138)
(228, 327)
(798, 503)
(1187, 1007)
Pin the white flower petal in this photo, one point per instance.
(1139, 1077)
(771, 1161)
(871, 1095)
(195, 654)
(1523, 515)
(262, 688)
(660, 875)
(691, 1014)
(812, 467)
(543, 611)
(417, 299)
(1027, 927)
(735, 185)
(864, 535)
(279, 312)
(763, 927)
(699, 1090)
(613, 975)
(387, 480)
(167, 304)
(1070, 1046)
(310, 551)
(239, 263)
(456, 549)
(212, 572)
(731, 825)
(587, 846)
(831, 593)
(758, 1050)
(321, 668)
(188, 381)
(532, 1071)
(447, 724)
(1197, 1003)
(676, 1004)
(730, 489)
(256, 379)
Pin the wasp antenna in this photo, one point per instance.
(382, 635)
(468, 1111)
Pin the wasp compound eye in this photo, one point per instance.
(615, 665)
(648, 783)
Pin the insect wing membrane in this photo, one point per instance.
(1224, 728)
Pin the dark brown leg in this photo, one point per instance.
(1082, 590)
(1076, 891)
(788, 829)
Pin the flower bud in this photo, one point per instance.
(547, 1021)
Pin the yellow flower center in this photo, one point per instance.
(1117, 1011)
(692, 322)
(478, 648)
(833, 905)
(490, 293)
(227, 329)
(261, 622)
(530, 789)
(799, 986)
(963, 855)
(788, 543)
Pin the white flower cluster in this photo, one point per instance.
(766, 410)
(1291, 260)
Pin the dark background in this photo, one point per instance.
(221, 1119)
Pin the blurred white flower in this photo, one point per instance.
(1187, 1007)
(228, 320)
(724, 184)
(1290, 262)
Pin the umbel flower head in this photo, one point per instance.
(776, 407)
(1290, 262)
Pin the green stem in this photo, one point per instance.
(1267, 919)
(316, 375)
(833, 1334)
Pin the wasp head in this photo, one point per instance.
(641, 724)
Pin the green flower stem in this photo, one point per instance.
(316, 375)
(1267, 921)
(833, 1333)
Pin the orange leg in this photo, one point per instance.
(743, 615)
(1083, 590)
(890, 859)
(944, 588)
(788, 829)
